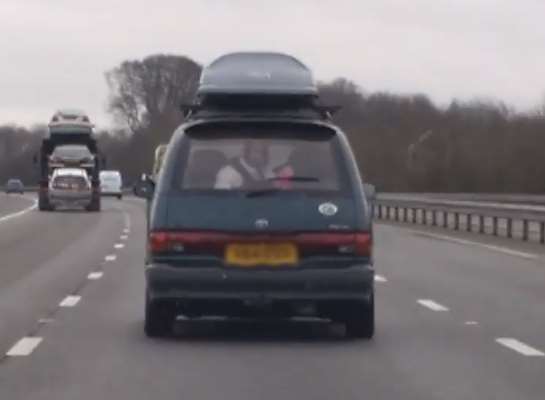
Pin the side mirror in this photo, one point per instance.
(370, 192)
(144, 188)
(371, 196)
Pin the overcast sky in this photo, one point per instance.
(53, 53)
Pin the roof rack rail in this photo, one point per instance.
(191, 110)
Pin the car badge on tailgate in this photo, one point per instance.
(261, 223)
(328, 209)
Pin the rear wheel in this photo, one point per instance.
(94, 206)
(159, 318)
(43, 204)
(119, 196)
(360, 319)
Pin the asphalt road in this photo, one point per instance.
(459, 317)
(11, 204)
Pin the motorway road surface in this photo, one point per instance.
(459, 317)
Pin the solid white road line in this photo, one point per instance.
(24, 347)
(70, 301)
(501, 249)
(520, 347)
(19, 213)
(432, 305)
(111, 257)
(95, 275)
(119, 246)
(380, 278)
(127, 219)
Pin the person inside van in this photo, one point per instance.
(247, 171)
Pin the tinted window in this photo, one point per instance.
(72, 151)
(70, 182)
(251, 159)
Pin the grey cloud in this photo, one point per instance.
(55, 52)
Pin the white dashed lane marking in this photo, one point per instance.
(471, 323)
(95, 275)
(126, 230)
(18, 214)
(24, 347)
(380, 278)
(500, 249)
(119, 245)
(520, 347)
(123, 237)
(432, 305)
(111, 257)
(70, 301)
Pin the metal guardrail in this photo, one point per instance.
(460, 215)
(511, 198)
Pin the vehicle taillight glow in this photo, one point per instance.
(165, 241)
(359, 244)
(364, 244)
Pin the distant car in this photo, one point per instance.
(70, 122)
(70, 187)
(15, 186)
(71, 156)
(111, 184)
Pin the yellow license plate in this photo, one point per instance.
(261, 254)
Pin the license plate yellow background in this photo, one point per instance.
(256, 254)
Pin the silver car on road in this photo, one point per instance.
(70, 187)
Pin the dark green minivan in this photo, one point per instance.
(259, 209)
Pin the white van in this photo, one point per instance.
(111, 184)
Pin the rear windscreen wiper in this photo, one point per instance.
(263, 192)
(294, 178)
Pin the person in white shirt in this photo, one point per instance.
(247, 171)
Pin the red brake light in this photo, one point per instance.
(158, 242)
(187, 242)
(364, 244)
(359, 244)
(348, 243)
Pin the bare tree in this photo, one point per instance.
(147, 93)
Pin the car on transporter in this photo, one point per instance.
(259, 209)
(70, 187)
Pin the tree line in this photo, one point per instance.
(401, 142)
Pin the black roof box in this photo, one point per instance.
(257, 73)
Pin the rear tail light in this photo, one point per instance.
(364, 244)
(187, 242)
(359, 243)
(161, 242)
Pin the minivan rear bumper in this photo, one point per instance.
(186, 283)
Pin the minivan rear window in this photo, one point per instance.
(234, 159)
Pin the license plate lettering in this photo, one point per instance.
(250, 255)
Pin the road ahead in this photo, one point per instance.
(458, 318)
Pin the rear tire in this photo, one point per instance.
(94, 206)
(119, 197)
(159, 318)
(43, 204)
(360, 319)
